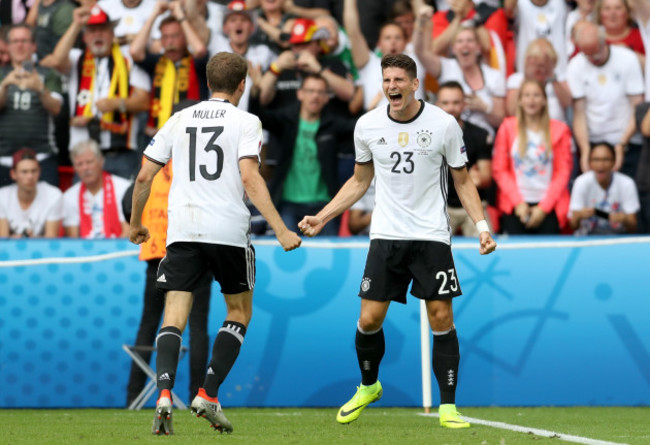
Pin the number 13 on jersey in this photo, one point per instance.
(209, 146)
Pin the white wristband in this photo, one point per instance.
(482, 226)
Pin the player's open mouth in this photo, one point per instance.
(394, 96)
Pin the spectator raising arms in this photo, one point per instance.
(538, 18)
(392, 40)
(179, 72)
(238, 26)
(532, 165)
(485, 87)
(106, 89)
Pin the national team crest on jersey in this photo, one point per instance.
(365, 284)
(424, 138)
(403, 139)
(83, 97)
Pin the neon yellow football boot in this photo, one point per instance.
(365, 396)
(450, 417)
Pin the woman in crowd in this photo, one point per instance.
(532, 165)
(485, 87)
(620, 29)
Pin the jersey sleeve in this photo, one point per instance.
(454, 149)
(250, 141)
(160, 147)
(363, 155)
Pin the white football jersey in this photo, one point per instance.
(206, 199)
(410, 160)
(606, 89)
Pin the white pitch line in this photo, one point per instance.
(536, 431)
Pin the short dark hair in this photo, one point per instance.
(312, 76)
(400, 7)
(400, 61)
(609, 146)
(391, 23)
(225, 72)
(167, 20)
(452, 85)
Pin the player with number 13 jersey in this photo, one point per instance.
(207, 202)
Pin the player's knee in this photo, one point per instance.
(241, 313)
(441, 317)
(368, 323)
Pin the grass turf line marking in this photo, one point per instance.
(536, 431)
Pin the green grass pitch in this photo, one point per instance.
(376, 426)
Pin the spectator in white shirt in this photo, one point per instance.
(603, 201)
(29, 208)
(91, 207)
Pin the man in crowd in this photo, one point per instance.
(179, 72)
(279, 84)
(606, 83)
(29, 208)
(238, 26)
(106, 89)
(451, 98)
(306, 174)
(91, 207)
(30, 96)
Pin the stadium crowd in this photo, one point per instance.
(553, 97)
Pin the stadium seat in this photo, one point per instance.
(66, 175)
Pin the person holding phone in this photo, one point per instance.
(603, 201)
(30, 96)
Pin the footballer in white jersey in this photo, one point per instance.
(409, 149)
(411, 161)
(215, 147)
(206, 199)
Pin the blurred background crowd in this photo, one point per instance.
(552, 96)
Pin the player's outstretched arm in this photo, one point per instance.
(259, 195)
(351, 192)
(139, 234)
(472, 204)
